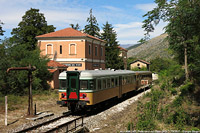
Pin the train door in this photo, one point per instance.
(73, 85)
(120, 86)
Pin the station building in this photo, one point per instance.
(73, 48)
(139, 64)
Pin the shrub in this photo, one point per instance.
(187, 88)
(177, 102)
(173, 91)
(130, 126)
(146, 124)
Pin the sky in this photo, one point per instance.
(124, 15)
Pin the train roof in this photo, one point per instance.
(63, 75)
(90, 74)
(103, 73)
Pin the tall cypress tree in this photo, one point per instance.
(1, 30)
(112, 51)
(92, 27)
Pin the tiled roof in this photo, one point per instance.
(51, 70)
(122, 49)
(140, 61)
(67, 32)
(52, 63)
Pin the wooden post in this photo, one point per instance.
(6, 111)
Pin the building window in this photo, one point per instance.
(72, 49)
(96, 51)
(49, 49)
(89, 49)
(101, 51)
(60, 49)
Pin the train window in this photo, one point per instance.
(108, 83)
(129, 79)
(123, 81)
(112, 82)
(133, 79)
(73, 83)
(83, 84)
(104, 83)
(116, 81)
(63, 84)
(92, 84)
(99, 84)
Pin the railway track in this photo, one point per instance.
(67, 121)
(62, 123)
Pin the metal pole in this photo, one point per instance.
(30, 99)
(35, 110)
(6, 111)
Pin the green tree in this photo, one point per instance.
(21, 50)
(183, 29)
(92, 27)
(16, 82)
(1, 30)
(76, 27)
(112, 51)
(33, 24)
(159, 64)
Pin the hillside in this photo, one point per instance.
(156, 47)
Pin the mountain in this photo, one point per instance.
(134, 46)
(126, 45)
(156, 47)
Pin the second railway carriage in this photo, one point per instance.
(91, 87)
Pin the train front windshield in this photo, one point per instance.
(63, 84)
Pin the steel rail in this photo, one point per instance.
(44, 123)
(66, 125)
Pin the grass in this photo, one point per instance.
(172, 108)
(17, 102)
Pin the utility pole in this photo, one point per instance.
(30, 69)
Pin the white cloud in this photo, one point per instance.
(112, 8)
(131, 33)
(128, 25)
(145, 7)
(61, 13)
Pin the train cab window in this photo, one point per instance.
(112, 82)
(63, 84)
(108, 83)
(83, 84)
(92, 84)
(99, 84)
(104, 83)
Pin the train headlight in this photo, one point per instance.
(84, 95)
(62, 95)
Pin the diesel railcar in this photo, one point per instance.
(88, 88)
